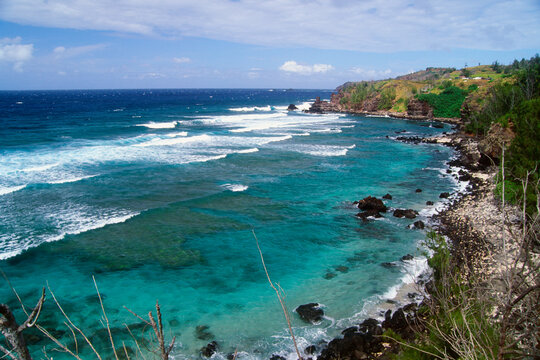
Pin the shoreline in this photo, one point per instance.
(465, 221)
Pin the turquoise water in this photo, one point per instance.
(156, 194)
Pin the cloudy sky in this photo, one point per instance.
(86, 44)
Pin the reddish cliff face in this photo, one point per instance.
(419, 108)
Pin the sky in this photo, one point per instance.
(317, 44)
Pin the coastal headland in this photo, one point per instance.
(483, 244)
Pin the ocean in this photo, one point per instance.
(156, 193)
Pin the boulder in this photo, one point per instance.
(358, 342)
(419, 224)
(387, 197)
(408, 213)
(429, 202)
(292, 107)
(310, 350)
(370, 213)
(407, 257)
(371, 203)
(277, 357)
(418, 190)
(209, 349)
(444, 195)
(310, 313)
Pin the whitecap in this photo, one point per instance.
(235, 187)
(164, 125)
(247, 151)
(180, 139)
(10, 189)
(40, 167)
(70, 180)
(253, 108)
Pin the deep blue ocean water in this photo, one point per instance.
(156, 194)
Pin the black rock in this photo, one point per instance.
(444, 195)
(292, 107)
(419, 224)
(437, 125)
(448, 171)
(310, 312)
(276, 357)
(388, 265)
(407, 257)
(408, 213)
(418, 190)
(370, 213)
(371, 203)
(398, 321)
(310, 350)
(388, 315)
(202, 333)
(209, 349)
(465, 177)
(387, 197)
(429, 202)
(410, 307)
(329, 275)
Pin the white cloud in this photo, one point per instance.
(63, 52)
(13, 52)
(371, 74)
(181, 60)
(294, 67)
(369, 25)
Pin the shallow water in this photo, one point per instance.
(156, 193)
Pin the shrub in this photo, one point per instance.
(387, 98)
(448, 103)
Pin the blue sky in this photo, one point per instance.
(88, 44)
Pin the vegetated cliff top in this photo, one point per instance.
(433, 92)
(430, 73)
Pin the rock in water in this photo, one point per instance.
(408, 213)
(292, 107)
(387, 197)
(371, 203)
(419, 224)
(311, 312)
(209, 349)
(444, 195)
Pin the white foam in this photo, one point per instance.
(19, 103)
(235, 187)
(70, 180)
(71, 222)
(10, 189)
(175, 141)
(40, 167)
(254, 108)
(247, 151)
(328, 131)
(165, 125)
(181, 133)
(87, 224)
(321, 150)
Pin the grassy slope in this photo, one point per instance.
(425, 82)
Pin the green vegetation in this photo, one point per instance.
(447, 104)
(387, 98)
(515, 104)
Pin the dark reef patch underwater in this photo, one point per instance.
(156, 193)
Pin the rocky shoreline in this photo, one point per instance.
(470, 222)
